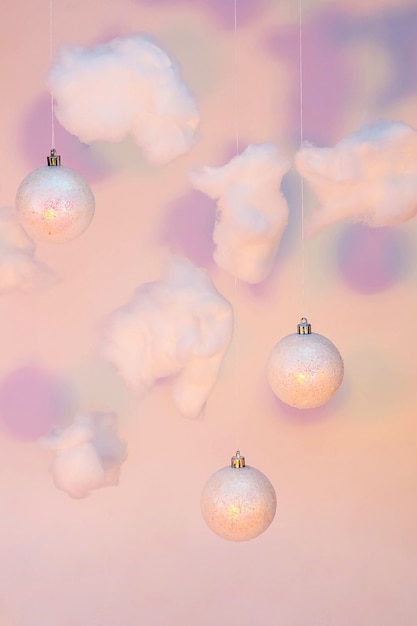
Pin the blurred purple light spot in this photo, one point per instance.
(32, 402)
(188, 228)
(372, 259)
(223, 10)
(326, 77)
(395, 32)
(36, 139)
(246, 11)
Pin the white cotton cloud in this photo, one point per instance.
(19, 270)
(89, 454)
(370, 176)
(177, 327)
(128, 86)
(252, 213)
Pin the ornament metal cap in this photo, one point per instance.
(304, 328)
(237, 460)
(54, 158)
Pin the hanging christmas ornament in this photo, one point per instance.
(305, 369)
(238, 503)
(54, 203)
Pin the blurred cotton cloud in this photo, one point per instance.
(178, 327)
(370, 176)
(89, 454)
(128, 86)
(19, 270)
(252, 213)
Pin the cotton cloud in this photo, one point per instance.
(177, 327)
(370, 176)
(252, 213)
(19, 270)
(89, 454)
(128, 86)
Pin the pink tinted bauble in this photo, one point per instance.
(238, 503)
(305, 369)
(54, 204)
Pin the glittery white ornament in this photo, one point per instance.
(305, 369)
(54, 203)
(238, 503)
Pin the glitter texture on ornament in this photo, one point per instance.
(305, 369)
(238, 503)
(54, 204)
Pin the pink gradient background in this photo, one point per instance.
(342, 550)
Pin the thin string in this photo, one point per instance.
(235, 295)
(301, 145)
(236, 376)
(51, 52)
(236, 74)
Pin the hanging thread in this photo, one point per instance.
(51, 52)
(236, 74)
(235, 295)
(301, 145)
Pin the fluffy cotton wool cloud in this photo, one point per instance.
(128, 86)
(252, 213)
(178, 327)
(89, 454)
(370, 176)
(19, 270)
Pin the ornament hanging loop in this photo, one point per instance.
(304, 328)
(54, 158)
(237, 460)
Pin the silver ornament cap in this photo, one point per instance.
(53, 159)
(304, 328)
(237, 460)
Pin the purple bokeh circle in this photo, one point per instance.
(188, 228)
(32, 401)
(372, 259)
(75, 155)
